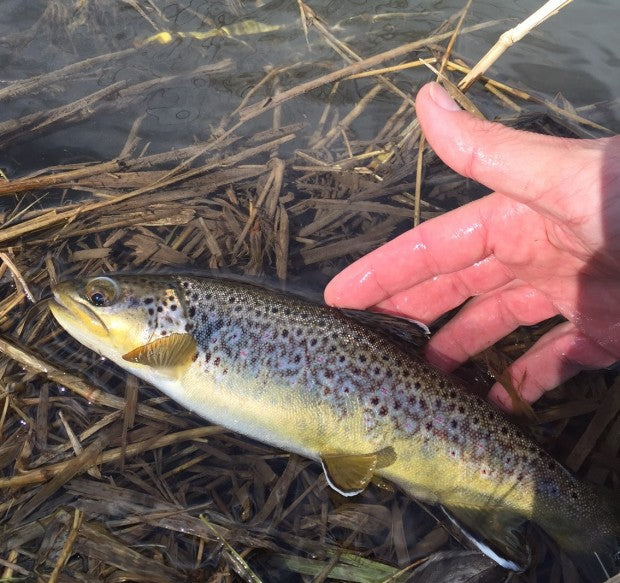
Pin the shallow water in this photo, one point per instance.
(572, 53)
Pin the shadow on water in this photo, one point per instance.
(263, 510)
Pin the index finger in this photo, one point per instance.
(444, 244)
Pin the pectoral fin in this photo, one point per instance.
(499, 534)
(166, 352)
(350, 474)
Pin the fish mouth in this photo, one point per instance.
(65, 308)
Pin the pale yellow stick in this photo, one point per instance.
(510, 37)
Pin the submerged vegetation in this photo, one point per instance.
(286, 167)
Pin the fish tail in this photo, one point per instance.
(595, 551)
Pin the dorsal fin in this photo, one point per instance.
(411, 332)
(166, 352)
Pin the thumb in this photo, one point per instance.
(547, 173)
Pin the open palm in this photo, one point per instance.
(546, 242)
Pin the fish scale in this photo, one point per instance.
(310, 379)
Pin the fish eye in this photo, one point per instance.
(101, 291)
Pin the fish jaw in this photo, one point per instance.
(79, 320)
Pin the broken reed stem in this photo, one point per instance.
(422, 142)
(48, 180)
(112, 455)
(346, 52)
(264, 105)
(66, 548)
(53, 217)
(509, 38)
(418, 180)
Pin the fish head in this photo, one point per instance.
(114, 315)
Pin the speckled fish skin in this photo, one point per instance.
(310, 380)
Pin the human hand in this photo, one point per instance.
(546, 242)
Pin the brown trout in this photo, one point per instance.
(312, 380)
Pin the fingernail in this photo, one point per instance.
(442, 98)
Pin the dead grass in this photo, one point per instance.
(104, 479)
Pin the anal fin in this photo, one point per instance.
(497, 533)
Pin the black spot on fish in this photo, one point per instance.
(148, 301)
(299, 332)
(437, 403)
(188, 326)
(195, 297)
(238, 309)
(171, 298)
(428, 426)
(232, 299)
(296, 359)
(397, 405)
(327, 391)
(475, 420)
(417, 385)
(284, 333)
(388, 374)
(423, 404)
(192, 311)
(195, 357)
(377, 370)
(329, 374)
(287, 311)
(383, 411)
(185, 284)
(173, 307)
(217, 361)
(362, 358)
(461, 409)
(504, 429)
(374, 400)
(164, 332)
(160, 309)
(274, 310)
(452, 394)
(411, 399)
(385, 357)
(551, 466)
(151, 311)
(313, 342)
(164, 302)
(454, 424)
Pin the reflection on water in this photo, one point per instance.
(119, 96)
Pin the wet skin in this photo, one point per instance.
(545, 242)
